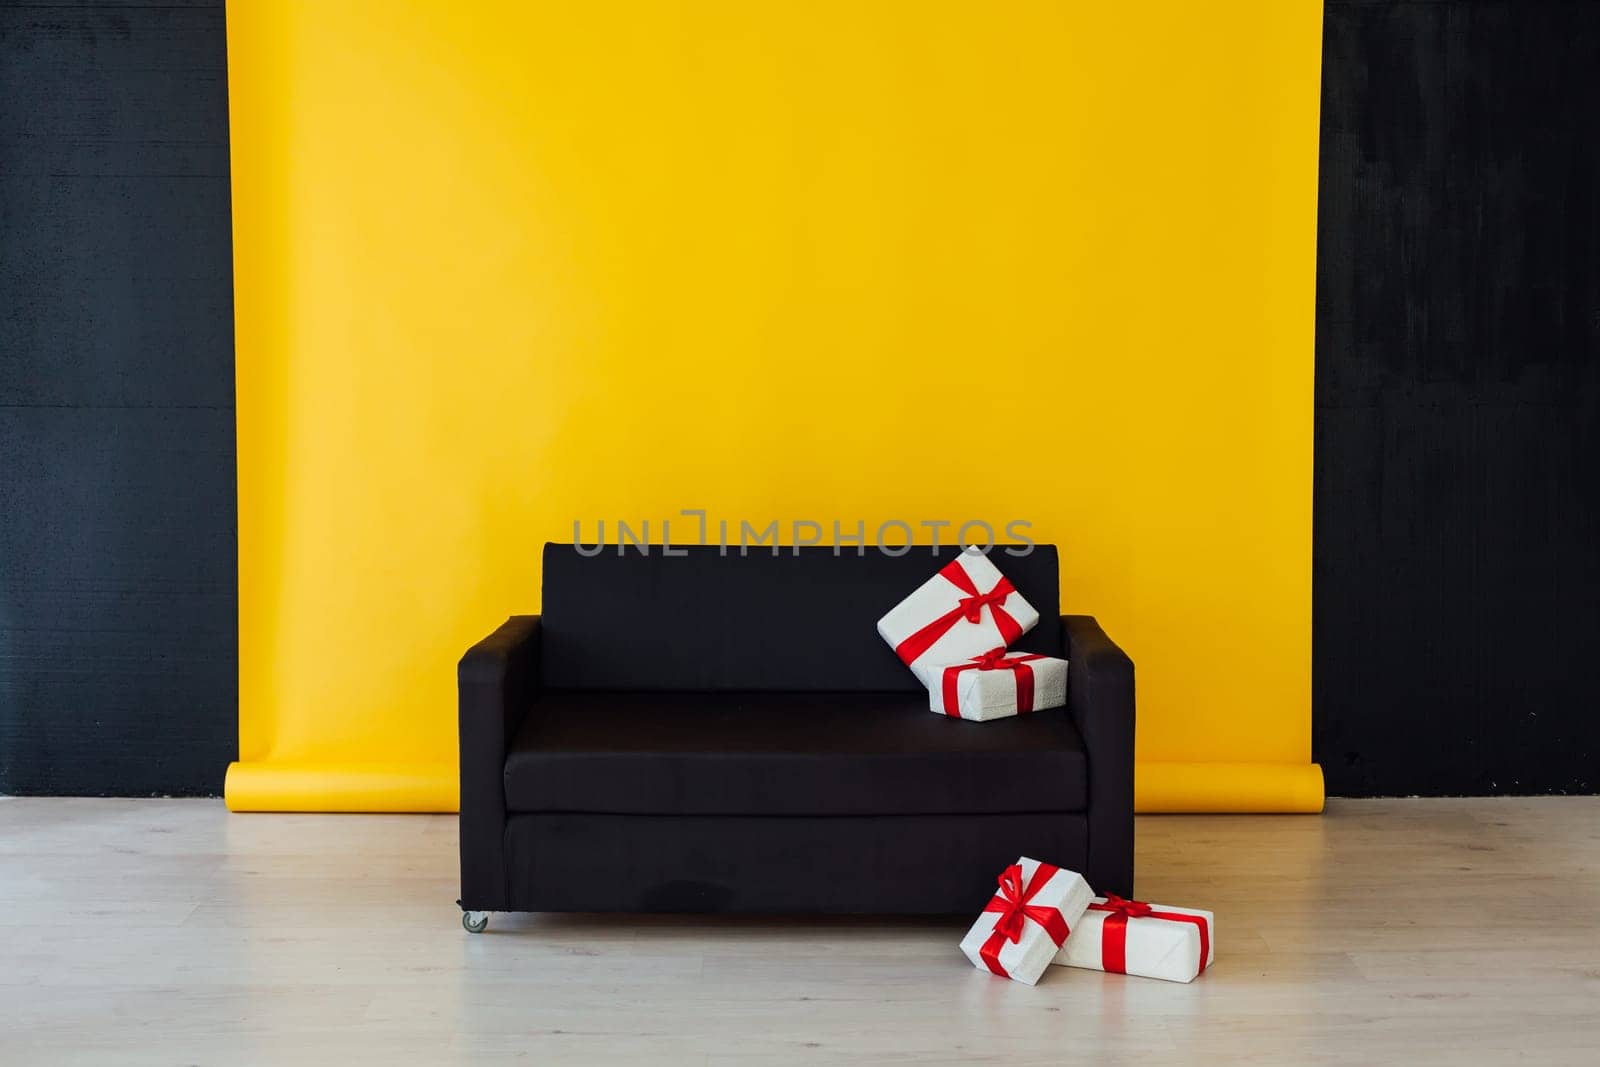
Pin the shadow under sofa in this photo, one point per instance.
(714, 732)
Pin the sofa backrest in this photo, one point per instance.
(709, 621)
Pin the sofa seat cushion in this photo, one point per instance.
(742, 753)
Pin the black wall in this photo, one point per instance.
(1457, 547)
(118, 659)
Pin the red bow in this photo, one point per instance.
(1134, 909)
(1114, 933)
(1012, 902)
(993, 660)
(970, 608)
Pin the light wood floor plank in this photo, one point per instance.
(167, 931)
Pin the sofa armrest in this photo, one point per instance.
(496, 681)
(1100, 701)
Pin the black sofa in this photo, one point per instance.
(727, 733)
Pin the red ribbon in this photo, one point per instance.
(969, 608)
(1114, 933)
(1012, 904)
(993, 660)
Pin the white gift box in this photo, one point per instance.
(1148, 940)
(1016, 935)
(967, 608)
(997, 684)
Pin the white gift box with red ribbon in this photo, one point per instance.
(999, 683)
(965, 609)
(1149, 940)
(1021, 929)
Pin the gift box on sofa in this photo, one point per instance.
(999, 683)
(964, 610)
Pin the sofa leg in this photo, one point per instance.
(474, 921)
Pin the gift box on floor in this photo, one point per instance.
(997, 684)
(1149, 940)
(1022, 927)
(965, 609)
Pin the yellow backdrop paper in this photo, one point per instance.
(500, 266)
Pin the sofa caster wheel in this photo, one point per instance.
(474, 922)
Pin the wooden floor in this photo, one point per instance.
(167, 931)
